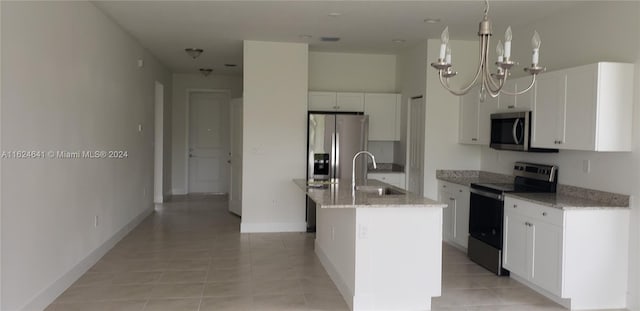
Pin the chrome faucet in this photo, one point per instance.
(353, 167)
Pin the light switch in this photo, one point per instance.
(139, 127)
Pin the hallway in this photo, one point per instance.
(189, 255)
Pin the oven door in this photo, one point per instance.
(510, 131)
(486, 212)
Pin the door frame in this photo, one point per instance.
(158, 144)
(421, 136)
(187, 117)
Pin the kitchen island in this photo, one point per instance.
(383, 252)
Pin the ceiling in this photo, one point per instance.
(166, 28)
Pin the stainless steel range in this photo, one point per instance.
(487, 211)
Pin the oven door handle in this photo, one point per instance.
(495, 196)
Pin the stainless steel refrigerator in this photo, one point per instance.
(333, 140)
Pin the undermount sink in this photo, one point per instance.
(378, 190)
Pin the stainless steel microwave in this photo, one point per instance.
(512, 131)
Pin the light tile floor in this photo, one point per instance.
(189, 255)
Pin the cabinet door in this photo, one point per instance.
(524, 102)
(461, 234)
(350, 102)
(468, 128)
(381, 109)
(486, 108)
(580, 114)
(322, 101)
(549, 110)
(398, 130)
(508, 102)
(546, 268)
(516, 243)
(448, 219)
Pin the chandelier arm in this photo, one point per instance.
(445, 84)
(533, 81)
(465, 90)
(490, 84)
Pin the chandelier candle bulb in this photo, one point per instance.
(447, 58)
(535, 43)
(500, 51)
(508, 36)
(445, 40)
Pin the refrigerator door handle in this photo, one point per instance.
(337, 154)
(332, 171)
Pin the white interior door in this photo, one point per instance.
(208, 142)
(416, 146)
(235, 191)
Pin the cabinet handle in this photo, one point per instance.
(460, 190)
(544, 213)
(474, 139)
(336, 107)
(515, 205)
(511, 106)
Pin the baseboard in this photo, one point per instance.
(158, 199)
(566, 303)
(273, 227)
(344, 290)
(178, 191)
(49, 294)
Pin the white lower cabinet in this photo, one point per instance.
(533, 247)
(455, 227)
(577, 257)
(394, 179)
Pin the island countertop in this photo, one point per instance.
(339, 195)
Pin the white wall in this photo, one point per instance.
(411, 81)
(70, 82)
(274, 136)
(351, 72)
(442, 150)
(182, 83)
(568, 40)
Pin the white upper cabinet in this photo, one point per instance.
(336, 101)
(475, 118)
(350, 101)
(584, 108)
(383, 110)
(548, 116)
(523, 102)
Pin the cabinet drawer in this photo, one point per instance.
(543, 213)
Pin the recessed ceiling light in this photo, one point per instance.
(230, 65)
(398, 40)
(205, 71)
(306, 36)
(194, 52)
(334, 14)
(432, 20)
(330, 39)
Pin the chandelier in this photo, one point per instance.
(490, 83)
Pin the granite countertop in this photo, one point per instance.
(566, 197)
(467, 177)
(576, 198)
(339, 195)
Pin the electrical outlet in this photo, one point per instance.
(95, 221)
(139, 127)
